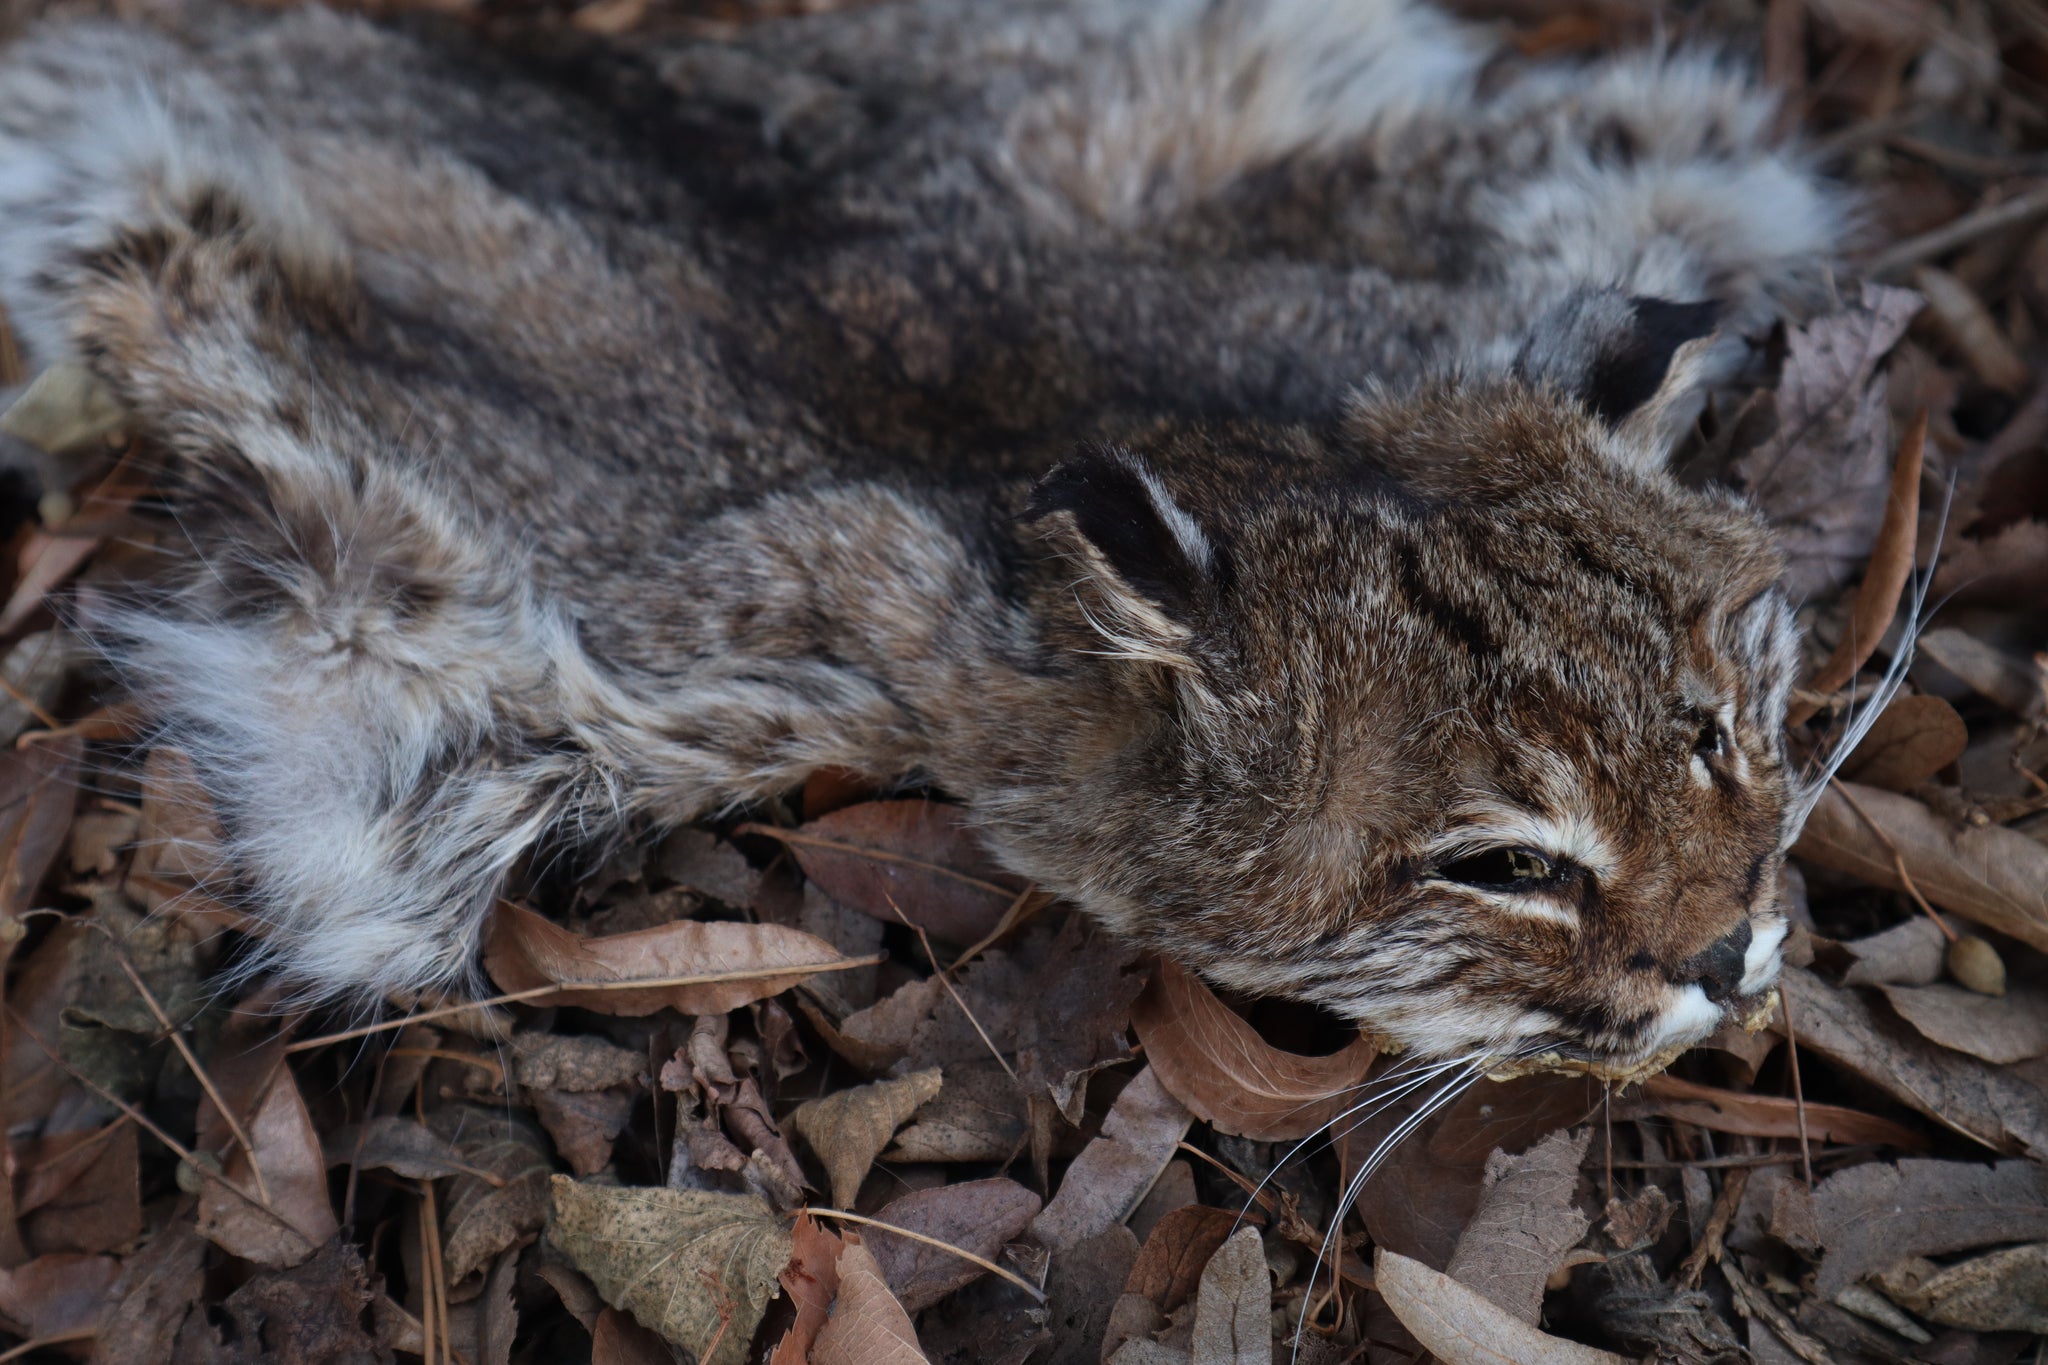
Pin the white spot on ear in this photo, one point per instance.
(1761, 963)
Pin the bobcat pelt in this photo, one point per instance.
(1222, 443)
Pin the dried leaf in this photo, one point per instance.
(2005, 1291)
(1981, 1102)
(1170, 1264)
(849, 1128)
(524, 951)
(308, 1315)
(83, 1192)
(1915, 738)
(1995, 876)
(2008, 1028)
(1234, 1305)
(57, 1293)
(1909, 953)
(583, 1124)
(706, 863)
(157, 1294)
(975, 1215)
(1461, 1327)
(505, 1204)
(2013, 682)
(38, 792)
(876, 1038)
(1874, 1215)
(1217, 1065)
(395, 1144)
(688, 1264)
(811, 1279)
(919, 857)
(615, 1339)
(1111, 1175)
(562, 1061)
(868, 1326)
(283, 1220)
(1741, 1111)
(1524, 1225)
(1823, 476)
(2010, 565)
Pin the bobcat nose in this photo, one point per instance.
(1718, 969)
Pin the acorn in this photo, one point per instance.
(1977, 965)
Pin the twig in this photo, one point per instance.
(1898, 859)
(1751, 1301)
(429, 1234)
(54, 1339)
(1961, 232)
(1023, 908)
(1709, 1248)
(558, 987)
(940, 972)
(1798, 1091)
(962, 1252)
(475, 1059)
(177, 1037)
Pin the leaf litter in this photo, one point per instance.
(1040, 1146)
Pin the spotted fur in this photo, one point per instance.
(1220, 442)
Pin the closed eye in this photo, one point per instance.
(1710, 740)
(1503, 869)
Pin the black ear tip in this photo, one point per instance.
(1076, 481)
(1662, 321)
(1631, 367)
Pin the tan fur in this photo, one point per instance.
(1225, 466)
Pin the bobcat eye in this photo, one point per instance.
(1499, 868)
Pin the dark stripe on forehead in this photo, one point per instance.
(1453, 619)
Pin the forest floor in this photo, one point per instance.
(836, 1017)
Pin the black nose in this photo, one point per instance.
(1718, 970)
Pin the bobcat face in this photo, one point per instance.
(1476, 739)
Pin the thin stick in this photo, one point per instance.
(876, 855)
(427, 1239)
(1798, 1091)
(28, 704)
(846, 964)
(177, 1038)
(933, 958)
(1023, 908)
(1695, 1264)
(54, 1339)
(962, 1252)
(1898, 859)
(1961, 232)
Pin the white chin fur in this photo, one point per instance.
(1761, 963)
(1688, 1018)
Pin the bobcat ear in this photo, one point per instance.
(1640, 365)
(1153, 570)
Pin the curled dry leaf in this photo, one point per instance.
(1217, 1064)
(1114, 1170)
(1742, 1111)
(1459, 1325)
(849, 1128)
(868, 1326)
(1993, 875)
(974, 1215)
(525, 951)
(1915, 738)
(1524, 1225)
(562, 1061)
(1874, 1215)
(811, 1279)
(914, 856)
(696, 1267)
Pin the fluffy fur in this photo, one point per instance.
(1218, 442)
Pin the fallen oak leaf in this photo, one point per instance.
(1461, 1327)
(1993, 875)
(691, 966)
(849, 1128)
(697, 1267)
(2002, 1291)
(914, 858)
(1217, 1064)
(868, 1325)
(1756, 1115)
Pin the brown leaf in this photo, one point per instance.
(583, 1123)
(811, 1279)
(59, 1293)
(1524, 1225)
(285, 1217)
(849, 1128)
(1082, 1285)
(2007, 1028)
(505, 1204)
(979, 1116)
(2005, 1291)
(395, 1144)
(1915, 738)
(1979, 1101)
(83, 1191)
(1993, 875)
(1111, 1175)
(158, 1292)
(562, 1061)
(1823, 476)
(919, 857)
(47, 558)
(309, 1315)
(1170, 1264)
(1234, 1305)
(694, 1266)
(868, 1326)
(706, 863)
(2013, 682)
(524, 951)
(1891, 565)
(38, 792)
(1460, 1327)
(615, 1339)
(975, 1215)
(1217, 1065)
(1876, 1214)
(876, 1038)
(2010, 565)
(1745, 1111)
(1910, 953)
